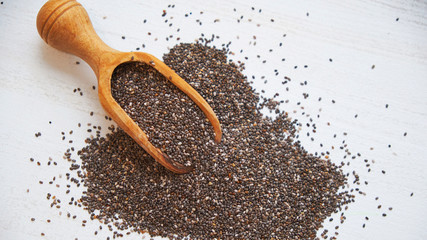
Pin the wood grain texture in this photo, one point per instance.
(37, 85)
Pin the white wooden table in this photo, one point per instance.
(369, 57)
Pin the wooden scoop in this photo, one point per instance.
(65, 25)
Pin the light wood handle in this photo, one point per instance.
(65, 25)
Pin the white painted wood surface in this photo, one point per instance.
(37, 82)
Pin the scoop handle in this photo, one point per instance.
(65, 25)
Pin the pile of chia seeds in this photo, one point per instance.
(258, 183)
